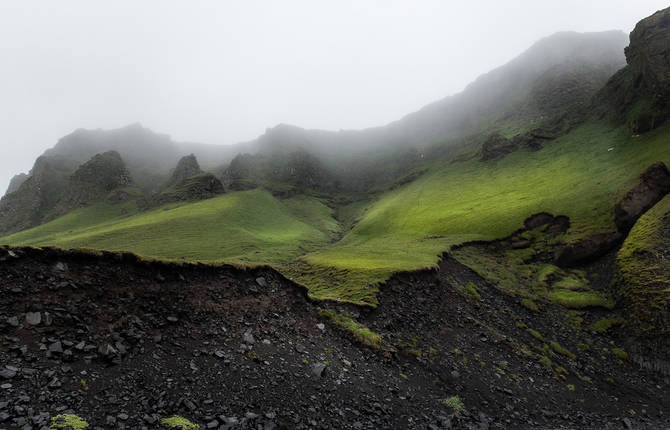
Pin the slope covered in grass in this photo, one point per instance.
(407, 228)
(250, 226)
(403, 229)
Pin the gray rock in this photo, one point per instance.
(249, 338)
(33, 318)
(48, 319)
(319, 369)
(56, 347)
(172, 319)
(13, 321)
(213, 424)
(7, 373)
(107, 350)
(261, 282)
(60, 267)
(321, 326)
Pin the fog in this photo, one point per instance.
(221, 72)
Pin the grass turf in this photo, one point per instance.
(404, 229)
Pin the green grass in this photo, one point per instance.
(620, 354)
(407, 228)
(455, 403)
(643, 264)
(68, 421)
(603, 325)
(579, 300)
(179, 423)
(249, 227)
(558, 349)
(361, 333)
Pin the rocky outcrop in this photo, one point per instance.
(93, 181)
(199, 187)
(186, 168)
(16, 182)
(653, 185)
(106, 171)
(639, 94)
(496, 146)
(297, 169)
(554, 224)
(586, 249)
(26, 206)
(647, 54)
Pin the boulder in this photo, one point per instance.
(647, 54)
(187, 167)
(496, 147)
(586, 249)
(652, 186)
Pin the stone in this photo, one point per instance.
(33, 318)
(652, 186)
(261, 282)
(319, 369)
(56, 347)
(172, 319)
(496, 147)
(586, 249)
(7, 373)
(13, 321)
(248, 337)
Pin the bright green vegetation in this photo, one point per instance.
(361, 333)
(571, 387)
(470, 291)
(180, 423)
(530, 305)
(68, 421)
(544, 360)
(250, 226)
(455, 403)
(579, 300)
(558, 349)
(536, 334)
(344, 254)
(620, 353)
(643, 264)
(602, 325)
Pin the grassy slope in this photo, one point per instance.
(642, 271)
(249, 226)
(408, 227)
(404, 229)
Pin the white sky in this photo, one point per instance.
(223, 71)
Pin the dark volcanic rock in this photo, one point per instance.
(639, 94)
(16, 182)
(94, 180)
(186, 168)
(496, 147)
(586, 249)
(647, 54)
(654, 184)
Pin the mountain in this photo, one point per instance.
(509, 240)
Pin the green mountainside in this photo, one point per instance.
(568, 129)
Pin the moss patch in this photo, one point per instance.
(581, 299)
(178, 422)
(358, 331)
(68, 421)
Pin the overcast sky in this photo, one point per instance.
(223, 71)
